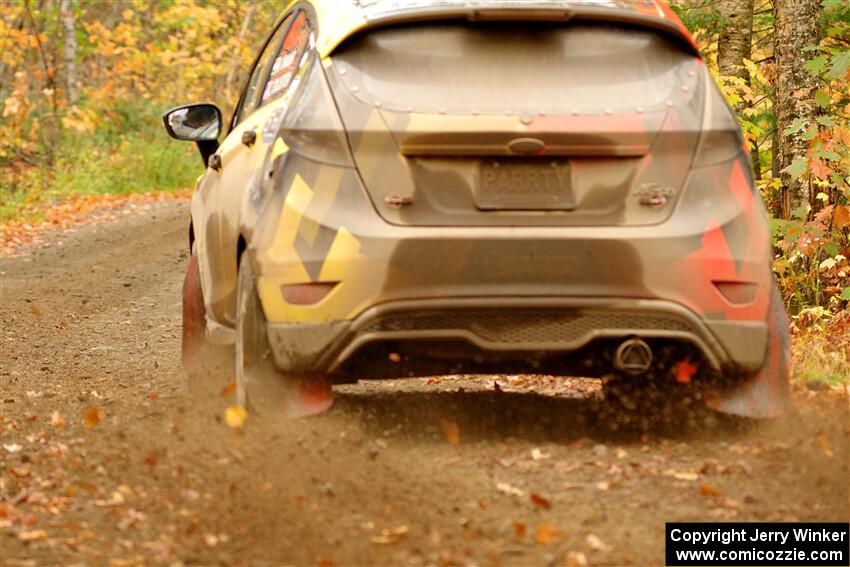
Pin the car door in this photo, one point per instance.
(217, 204)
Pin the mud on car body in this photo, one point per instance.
(439, 187)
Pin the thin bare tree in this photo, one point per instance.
(69, 50)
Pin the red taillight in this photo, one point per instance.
(721, 139)
(306, 294)
(737, 293)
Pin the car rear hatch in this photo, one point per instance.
(483, 123)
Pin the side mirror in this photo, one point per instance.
(193, 122)
(199, 123)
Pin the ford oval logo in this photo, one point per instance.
(526, 145)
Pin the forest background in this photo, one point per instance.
(83, 84)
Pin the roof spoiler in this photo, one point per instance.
(654, 15)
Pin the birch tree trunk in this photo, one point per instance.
(69, 51)
(796, 28)
(733, 46)
(735, 41)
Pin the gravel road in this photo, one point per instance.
(108, 460)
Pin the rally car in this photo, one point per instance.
(414, 188)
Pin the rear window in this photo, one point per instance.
(520, 68)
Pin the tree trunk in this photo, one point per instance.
(796, 29)
(69, 51)
(735, 41)
(733, 46)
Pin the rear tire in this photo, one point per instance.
(259, 386)
(207, 364)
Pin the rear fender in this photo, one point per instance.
(765, 395)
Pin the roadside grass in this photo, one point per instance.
(821, 350)
(138, 157)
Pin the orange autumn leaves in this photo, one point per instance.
(91, 418)
(451, 430)
(72, 211)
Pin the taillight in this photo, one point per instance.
(720, 137)
(312, 126)
(306, 294)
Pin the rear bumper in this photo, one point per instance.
(501, 328)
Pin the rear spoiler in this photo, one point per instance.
(639, 13)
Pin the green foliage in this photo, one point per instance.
(132, 159)
(130, 155)
(812, 244)
(134, 59)
(700, 18)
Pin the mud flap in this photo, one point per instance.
(764, 395)
(194, 318)
(259, 385)
(293, 397)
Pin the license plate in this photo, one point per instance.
(524, 185)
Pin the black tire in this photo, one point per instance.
(259, 386)
(207, 364)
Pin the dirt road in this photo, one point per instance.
(108, 460)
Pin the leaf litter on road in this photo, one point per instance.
(92, 417)
(235, 416)
(390, 535)
(451, 431)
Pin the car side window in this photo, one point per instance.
(288, 59)
(251, 96)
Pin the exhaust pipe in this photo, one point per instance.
(633, 356)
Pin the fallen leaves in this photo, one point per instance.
(92, 417)
(547, 533)
(32, 535)
(229, 390)
(519, 530)
(825, 443)
(115, 499)
(152, 458)
(212, 540)
(451, 431)
(595, 543)
(75, 210)
(508, 489)
(131, 518)
(235, 416)
(708, 490)
(540, 502)
(681, 475)
(538, 455)
(56, 419)
(390, 535)
(575, 559)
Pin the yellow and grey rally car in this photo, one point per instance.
(412, 188)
